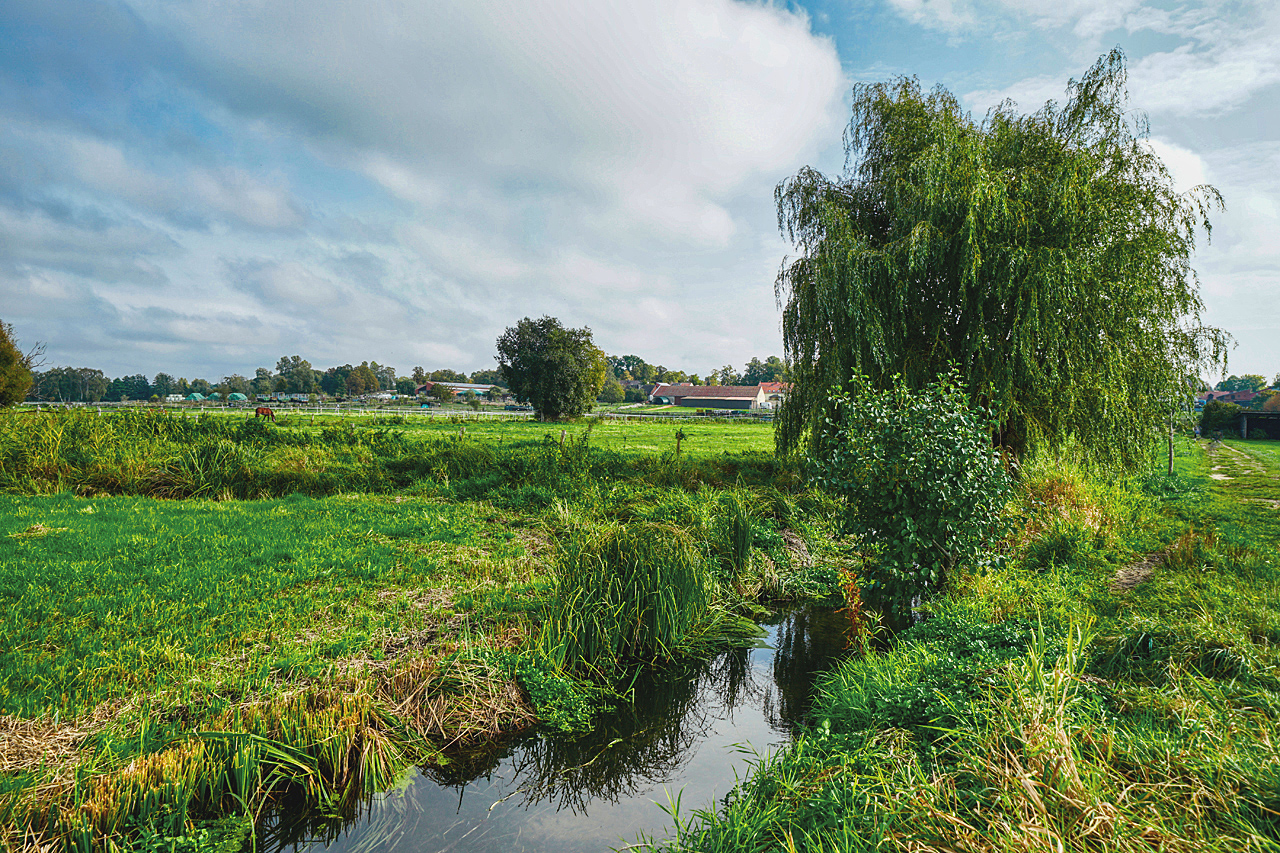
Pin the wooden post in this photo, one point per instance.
(1171, 441)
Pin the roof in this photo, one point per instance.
(749, 391)
(774, 387)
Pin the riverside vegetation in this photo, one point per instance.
(1058, 701)
(204, 617)
(207, 616)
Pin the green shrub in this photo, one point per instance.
(1219, 416)
(1258, 434)
(921, 483)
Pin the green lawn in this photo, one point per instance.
(120, 596)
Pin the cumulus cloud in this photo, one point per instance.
(404, 178)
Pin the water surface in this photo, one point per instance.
(690, 733)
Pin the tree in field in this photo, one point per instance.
(15, 369)
(486, 377)
(447, 375)
(1045, 256)
(163, 385)
(262, 381)
(442, 392)
(612, 391)
(1219, 416)
(1248, 382)
(558, 371)
(362, 380)
(405, 386)
(772, 369)
(295, 376)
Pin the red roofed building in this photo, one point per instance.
(709, 396)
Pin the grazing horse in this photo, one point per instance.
(264, 412)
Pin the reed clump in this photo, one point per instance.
(625, 593)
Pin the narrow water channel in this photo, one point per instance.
(690, 734)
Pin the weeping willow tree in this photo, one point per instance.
(1045, 256)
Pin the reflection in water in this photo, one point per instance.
(682, 732)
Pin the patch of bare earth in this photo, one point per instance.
(1137, 572)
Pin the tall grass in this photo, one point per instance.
(625, 593)
(1041, 709)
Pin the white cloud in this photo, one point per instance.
(1185, 166)
(400, 180)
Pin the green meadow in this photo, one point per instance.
(204, 615)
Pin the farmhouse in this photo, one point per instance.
(709, 396)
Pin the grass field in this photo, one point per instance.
(1077, 698)
(204, 614)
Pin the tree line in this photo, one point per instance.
(295, 375)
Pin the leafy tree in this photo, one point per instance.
(362, 380)
(234, 384)
(634, 395)
(1219, 416)
(771, 369)
(921, 482)
(71, 385)
(1047, 255)
(728, 376)
(263, 381)
(386, 376)
(295, 376)
(419, 375)
(446, 375)
(612, 391)
(1272, 404)
(405, 385)
(15, 369)
(334, 380)
(163, 385)
(557, 370)
(472, 399)
(133, 387)
(486, 377)
(494, 393)
(441, 391)
(1248, 382)
(199, 386)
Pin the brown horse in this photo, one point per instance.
(264, 412)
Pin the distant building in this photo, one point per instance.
(709, 396)
(459, 388)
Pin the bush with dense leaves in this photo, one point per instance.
(922, 484)
(1220, 416)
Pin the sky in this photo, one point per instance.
(200, 188)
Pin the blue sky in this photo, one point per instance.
(200, 188)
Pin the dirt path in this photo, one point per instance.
(1137, 572)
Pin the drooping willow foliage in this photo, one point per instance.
(1046, 256)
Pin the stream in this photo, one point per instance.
(690, 733)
